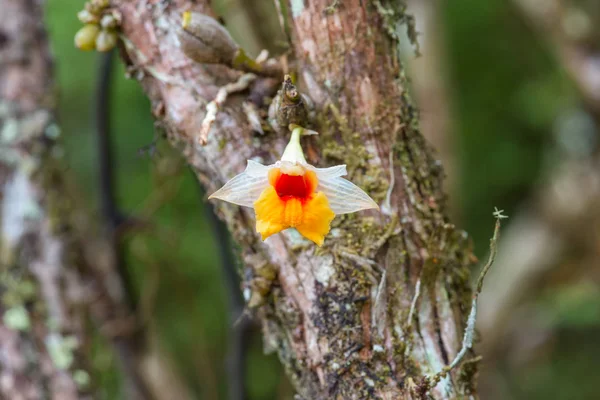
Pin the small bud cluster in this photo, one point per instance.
(100, 26)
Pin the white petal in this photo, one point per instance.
(257, 170)
(244, 189)
(344, 196)
(331, 172)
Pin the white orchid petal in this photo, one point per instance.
(257, 170)
(331, 172)
(242, 189)
(344, 196)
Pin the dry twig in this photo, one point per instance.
(467, 342)
(214, 106)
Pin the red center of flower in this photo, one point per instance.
(292, 185)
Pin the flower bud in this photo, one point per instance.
(85, 38)
(109, 21)
(97, 6)
(205, 41)
(106, 40)
(289, 107)
(87, 17)
(93, 8)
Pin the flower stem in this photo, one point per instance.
(293, 151)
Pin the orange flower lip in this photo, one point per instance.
(290, 201)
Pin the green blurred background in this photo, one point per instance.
(506, 91)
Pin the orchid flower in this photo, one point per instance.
(294, 194)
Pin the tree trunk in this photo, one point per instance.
(339, 316)
(57, 273)
(42, 331)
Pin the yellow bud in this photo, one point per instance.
(85, 38)
(106, 40)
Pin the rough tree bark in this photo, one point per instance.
(57, 274)
(42, 330)
(338, 316)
